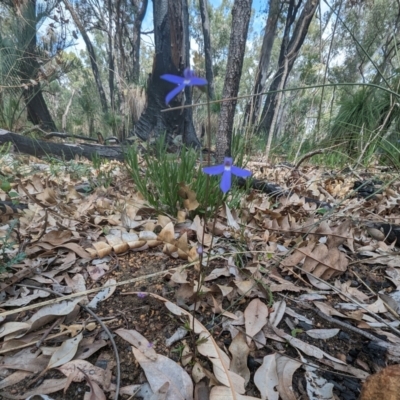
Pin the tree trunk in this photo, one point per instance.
(171, 51)
(38, 112)
(137, 26)
(110, 51)
(274, 11)
(205, 23)
(240, 24)
(92, 55)
(289, 51)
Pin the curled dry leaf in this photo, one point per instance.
(190, 202)
(319, 260)
(16, 329)
(139, 341)
(240, 351)
(266, 378)
(96, 393)
(278, 312)
(52, 311)
(73, 371)
(65, 352)
(255, 315)
(14, 378)
(163, 371)
(285, 368)
(46, 387)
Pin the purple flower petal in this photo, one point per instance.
(243, 173)
(173, 93)
(228, 161)
(172, 78)
(214, 170)
(188, 73)
(225, 181)
(195, 81)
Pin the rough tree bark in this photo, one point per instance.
(274, 10)
(38, 112)
(140, 12)
(289, 51)
(110, 55)
(240, 24)
(205, 23)
(92, 55)
(171, 52)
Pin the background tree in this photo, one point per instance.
(295, 32)
(240, 25)
(205, 23)
(253, 107)
(171, 55)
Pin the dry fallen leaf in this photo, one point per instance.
(240, 351)
(163, 370)
(285, 368)
(255, 315)
(266, 378)
(65, 352)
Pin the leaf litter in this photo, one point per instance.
(295, 301)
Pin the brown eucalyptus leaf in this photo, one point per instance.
(255, 315)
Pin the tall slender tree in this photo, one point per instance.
(290, 47)
(253, 108)
(241, 12)
(92, 55)
(205, 23)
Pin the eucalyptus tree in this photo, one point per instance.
(298, 20)
(27, 60)
(205, 22)
(171, 56)
(270, 33)
(241, 13)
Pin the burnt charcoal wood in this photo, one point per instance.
(41, 148)
(275, 190)
(171, 57)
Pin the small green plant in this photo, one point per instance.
(296, 331)
(8, 254)
(104, 177)
(160, 177)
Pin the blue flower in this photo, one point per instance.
(189, 79)
(226, 169)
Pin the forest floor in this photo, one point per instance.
(297, 301)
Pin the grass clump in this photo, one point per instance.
(161, 175)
